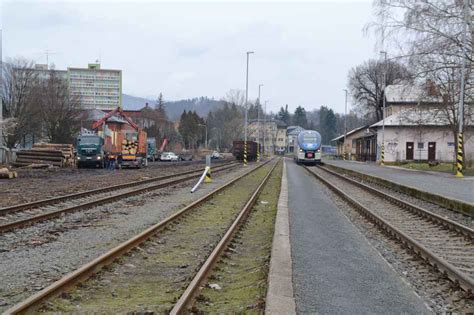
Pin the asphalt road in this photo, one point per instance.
(335, 270)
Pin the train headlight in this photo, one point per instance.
(98, 158)
(78, 157)
(301, 150)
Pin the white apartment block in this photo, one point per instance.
(97, 88)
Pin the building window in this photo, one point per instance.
(421, 145)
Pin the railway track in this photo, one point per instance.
(23, 215)
(37, 300)
(443, 243)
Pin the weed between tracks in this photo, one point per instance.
(153, 277)
(242, 274)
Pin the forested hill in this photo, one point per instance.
(174, 109)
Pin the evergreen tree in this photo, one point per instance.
(327, 123)
(284, 115)
(299, 118)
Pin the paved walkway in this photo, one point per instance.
(441, 184)
(335, 270)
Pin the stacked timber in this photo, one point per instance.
(45, 155)
(129, 146)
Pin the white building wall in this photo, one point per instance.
(397, 137)
(97, 88)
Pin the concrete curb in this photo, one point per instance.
(443, 201)
(280, 299)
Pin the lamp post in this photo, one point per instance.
(246, 108)
(345, 127)
(205, 126)
(382, 151)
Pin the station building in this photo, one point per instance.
(416, 128)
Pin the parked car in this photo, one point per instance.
(169, 156)
(216, 155)
(186, 157)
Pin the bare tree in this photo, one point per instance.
(235, 96)
(59, 109)
(20, 107)
(428, 34)
(366, 85)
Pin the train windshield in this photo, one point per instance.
(309, 138)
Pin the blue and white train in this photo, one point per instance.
(308, 147)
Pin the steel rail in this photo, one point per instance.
(457, 277)
(33, 302)
(187, 298)
(44, 202)
(445, 222)
(86, 205)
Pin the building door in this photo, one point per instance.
(410, 150)
(431, 151)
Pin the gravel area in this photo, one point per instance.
(429, 284)
(335, 270)
(441, 184)
(37, 184)
(34, 257)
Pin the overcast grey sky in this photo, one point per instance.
(303, 51)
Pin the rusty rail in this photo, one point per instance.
(49, 201)
(86, 205)
(70, 280)
(450, 224)
(193, 289)
(451, 272)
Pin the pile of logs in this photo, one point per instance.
(46, 155)
(129, 146)
(6, 173)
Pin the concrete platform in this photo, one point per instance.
(335, 269)
(442, 184)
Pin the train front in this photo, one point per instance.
(309, 147)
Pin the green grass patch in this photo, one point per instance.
(441, 167)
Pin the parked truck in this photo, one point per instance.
(90, 150)
(124, 141)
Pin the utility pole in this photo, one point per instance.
(345, 126)
(382, 151)
(264, 125)
(258, 123)
(205, 126)
(460, 149)
(246, 108)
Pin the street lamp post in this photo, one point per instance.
(382, 151)
(205, 126)
(345, 126)
(246, 108)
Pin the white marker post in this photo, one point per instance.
(204, 175)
